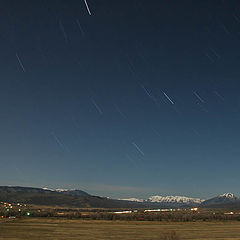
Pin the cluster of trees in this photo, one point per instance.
(178, 217)
(104, 214)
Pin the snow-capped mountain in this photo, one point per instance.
(167, 201)
(228, 195)
(47, 189)
(61, 190)
(132, 199)
(73, 192)
(225, 198)
(175, 199)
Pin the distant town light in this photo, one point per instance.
(229, 213)
(194, 209)
(123, 212)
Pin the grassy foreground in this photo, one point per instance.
(63, 229)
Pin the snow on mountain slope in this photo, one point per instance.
(132, 199)
(175, 199)
(73, 192)
(168, 199)
(47, 189)
(225, 198)
(228, 195)
(63, 190)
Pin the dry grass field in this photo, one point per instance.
(63, 229)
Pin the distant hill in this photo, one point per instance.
(81, 199)
(38, 196)
(69, 198)
(225, 200)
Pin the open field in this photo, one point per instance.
(64, 229)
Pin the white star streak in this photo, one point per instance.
(136, 146)
(169, 99)
(219, 95)
(63, 31)
(147, 92)
(97, 107)
(80, 27)
(20, 62)
(198, 97)
(89, 12)
(57, 140)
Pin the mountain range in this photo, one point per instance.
(81, 199)
(224, 200)
(169, 200)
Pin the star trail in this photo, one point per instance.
(140, 93)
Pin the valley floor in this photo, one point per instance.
(63, 229)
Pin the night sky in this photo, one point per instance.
(123, 98)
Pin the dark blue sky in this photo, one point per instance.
(141, 97)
